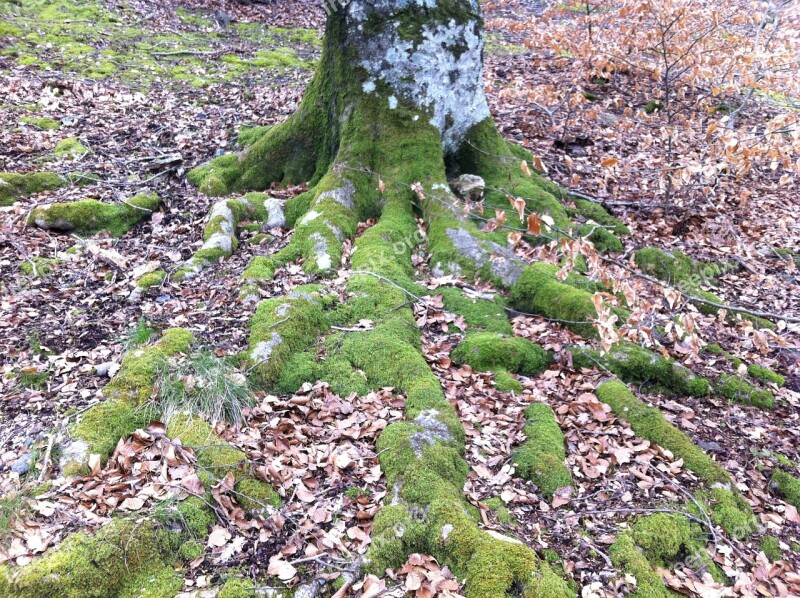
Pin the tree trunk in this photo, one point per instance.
(396, 105)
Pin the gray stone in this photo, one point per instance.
(22, 465)
(468, 186)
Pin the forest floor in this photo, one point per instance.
(154, 89)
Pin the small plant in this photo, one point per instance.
(139, 334)
(202, 385)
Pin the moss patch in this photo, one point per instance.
(787, 486)
(738, 390)
(122, 558)
(88, 216)
(541, 458)
(636, 364)
(71, 148)
(43, 124)
(14, 186)
(38, 266)
(486, 351)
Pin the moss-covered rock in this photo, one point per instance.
(279, 329)
(787, 486)
(88, 216)
(487, 351)
(765, 374)
(662, 536)
(738, 390)
(151, 279)
(123, 559)
(43, 124)
(625, 555)
(236, 587)
(541, 457)
(14, 186)
(633, 363)
(649, 423)
(728, 510)
(71, 148)
(479, 314)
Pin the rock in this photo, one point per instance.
(75, 452)
(468, 186)
(103, 369)
(22, 465)
(712, 446)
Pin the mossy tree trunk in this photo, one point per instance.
(396, 106)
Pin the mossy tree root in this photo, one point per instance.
(88, 216)
(14, 186)
(541, 457)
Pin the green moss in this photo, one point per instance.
(103, 425)
(70, 148)
(728, 510)
(636, 364)
(253, 494)
(33, 379)
(486, 351)
(280, 328)
(88, 216)
(8, 30)
(770, 546)
(479, 314)
(538, 291)
(236, 587)
(500, 510)
(738, 390)
(190, 550)
(215, 457)
(260, 268)
(662, 536)
(652, 106)
(151, 279)
(118, 558)
(505, 382)
(249, 135)
(337, 371)
(135, 379)
(153, 584)
(627, 557)
(787, 486)
(44, 124)
(38, 266)
(648, 423)
(765, 374)
(14, 186)
(194, 517)
(541, 458)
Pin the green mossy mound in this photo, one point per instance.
(636, 364)
(489, 351)
(124, 559)
(728, 510)
(649, 423)
(541, 458)
(737, 390)
(787, 486)
(765, 374)
(479, 314)
(279, 329)
(305, 367)
(71, 148)
(538, 291)
(43, 124)
(14, 186)
(88, 216)
(38, 266)
(151, 279)
(770, 546)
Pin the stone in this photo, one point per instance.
(22, 465)
(468, 186)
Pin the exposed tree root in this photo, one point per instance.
(87, 217)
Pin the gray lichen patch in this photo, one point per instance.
(436, 66)
(502, 262)
(263, 350)
(275, 215)
(433, 431)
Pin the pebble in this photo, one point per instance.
(103, 368)
(22, 465)
(712, 446)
